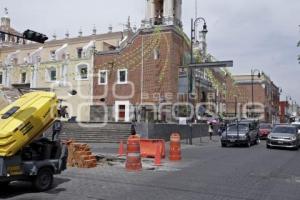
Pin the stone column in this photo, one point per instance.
(148, 10)
(34, 76)
(152, 9)
(178, 10)
(168, 12)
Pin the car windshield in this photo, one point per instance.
(297, 126)
(265, 126)
(285, 129)
(242, 127)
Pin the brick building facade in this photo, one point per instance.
(143, 74)
(266, 97)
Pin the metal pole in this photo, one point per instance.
(252, 84)
(235, 105)
(190, 88)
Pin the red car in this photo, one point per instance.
(264, 130)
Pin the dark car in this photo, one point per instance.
(264, 130)
(284, 136)
(240, 133)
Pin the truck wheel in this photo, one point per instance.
(44, 179)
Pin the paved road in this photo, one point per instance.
(207, 172)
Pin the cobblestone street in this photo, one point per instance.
(206, 172)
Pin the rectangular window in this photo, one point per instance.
(1, 78)
(52, 54)
(122, 76)
(23, 77)
(82, 71)
(102, 77)
(52, 74)
(79, 52)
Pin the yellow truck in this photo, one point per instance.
(24, 153)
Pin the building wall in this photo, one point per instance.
(78, 105)
(265, 93)
(152, 60)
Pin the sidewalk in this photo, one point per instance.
(112, 148)
(203, 141)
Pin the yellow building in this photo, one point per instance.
(59, 65)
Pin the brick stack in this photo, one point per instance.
(80, 156)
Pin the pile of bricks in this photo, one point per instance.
(80, 156)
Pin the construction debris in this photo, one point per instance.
(80, 156)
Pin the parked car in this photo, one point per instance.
(297, 125)
(240, 133)
(284, 136)
(264, 130)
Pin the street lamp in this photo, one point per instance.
(253, 72)
(190, 74)
(193, 34)
(193, 41)
(235, 105)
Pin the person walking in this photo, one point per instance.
(132, 128)
(210, 130)
(56, 129)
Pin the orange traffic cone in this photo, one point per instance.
(157, 159)
(121, 148)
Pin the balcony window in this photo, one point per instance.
(23, 77)
(51, 74)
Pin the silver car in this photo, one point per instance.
(284, 136)
(241, 133)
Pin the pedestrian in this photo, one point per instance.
(210, 130)
(56, 129)
(132, 128)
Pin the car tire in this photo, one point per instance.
(268, 146)
(43, 180)
(223, 144)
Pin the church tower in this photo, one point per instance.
(5, 20)
(7, 40)
(163, 12)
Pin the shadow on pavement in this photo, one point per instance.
(18, 188)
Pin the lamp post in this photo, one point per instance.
(253, 71)
(192, 61)
(235, 105)
(193, 41)
(288, 99)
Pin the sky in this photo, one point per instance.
(255, 34)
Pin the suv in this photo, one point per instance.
(240, 133)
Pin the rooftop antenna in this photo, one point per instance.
(6, 12)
